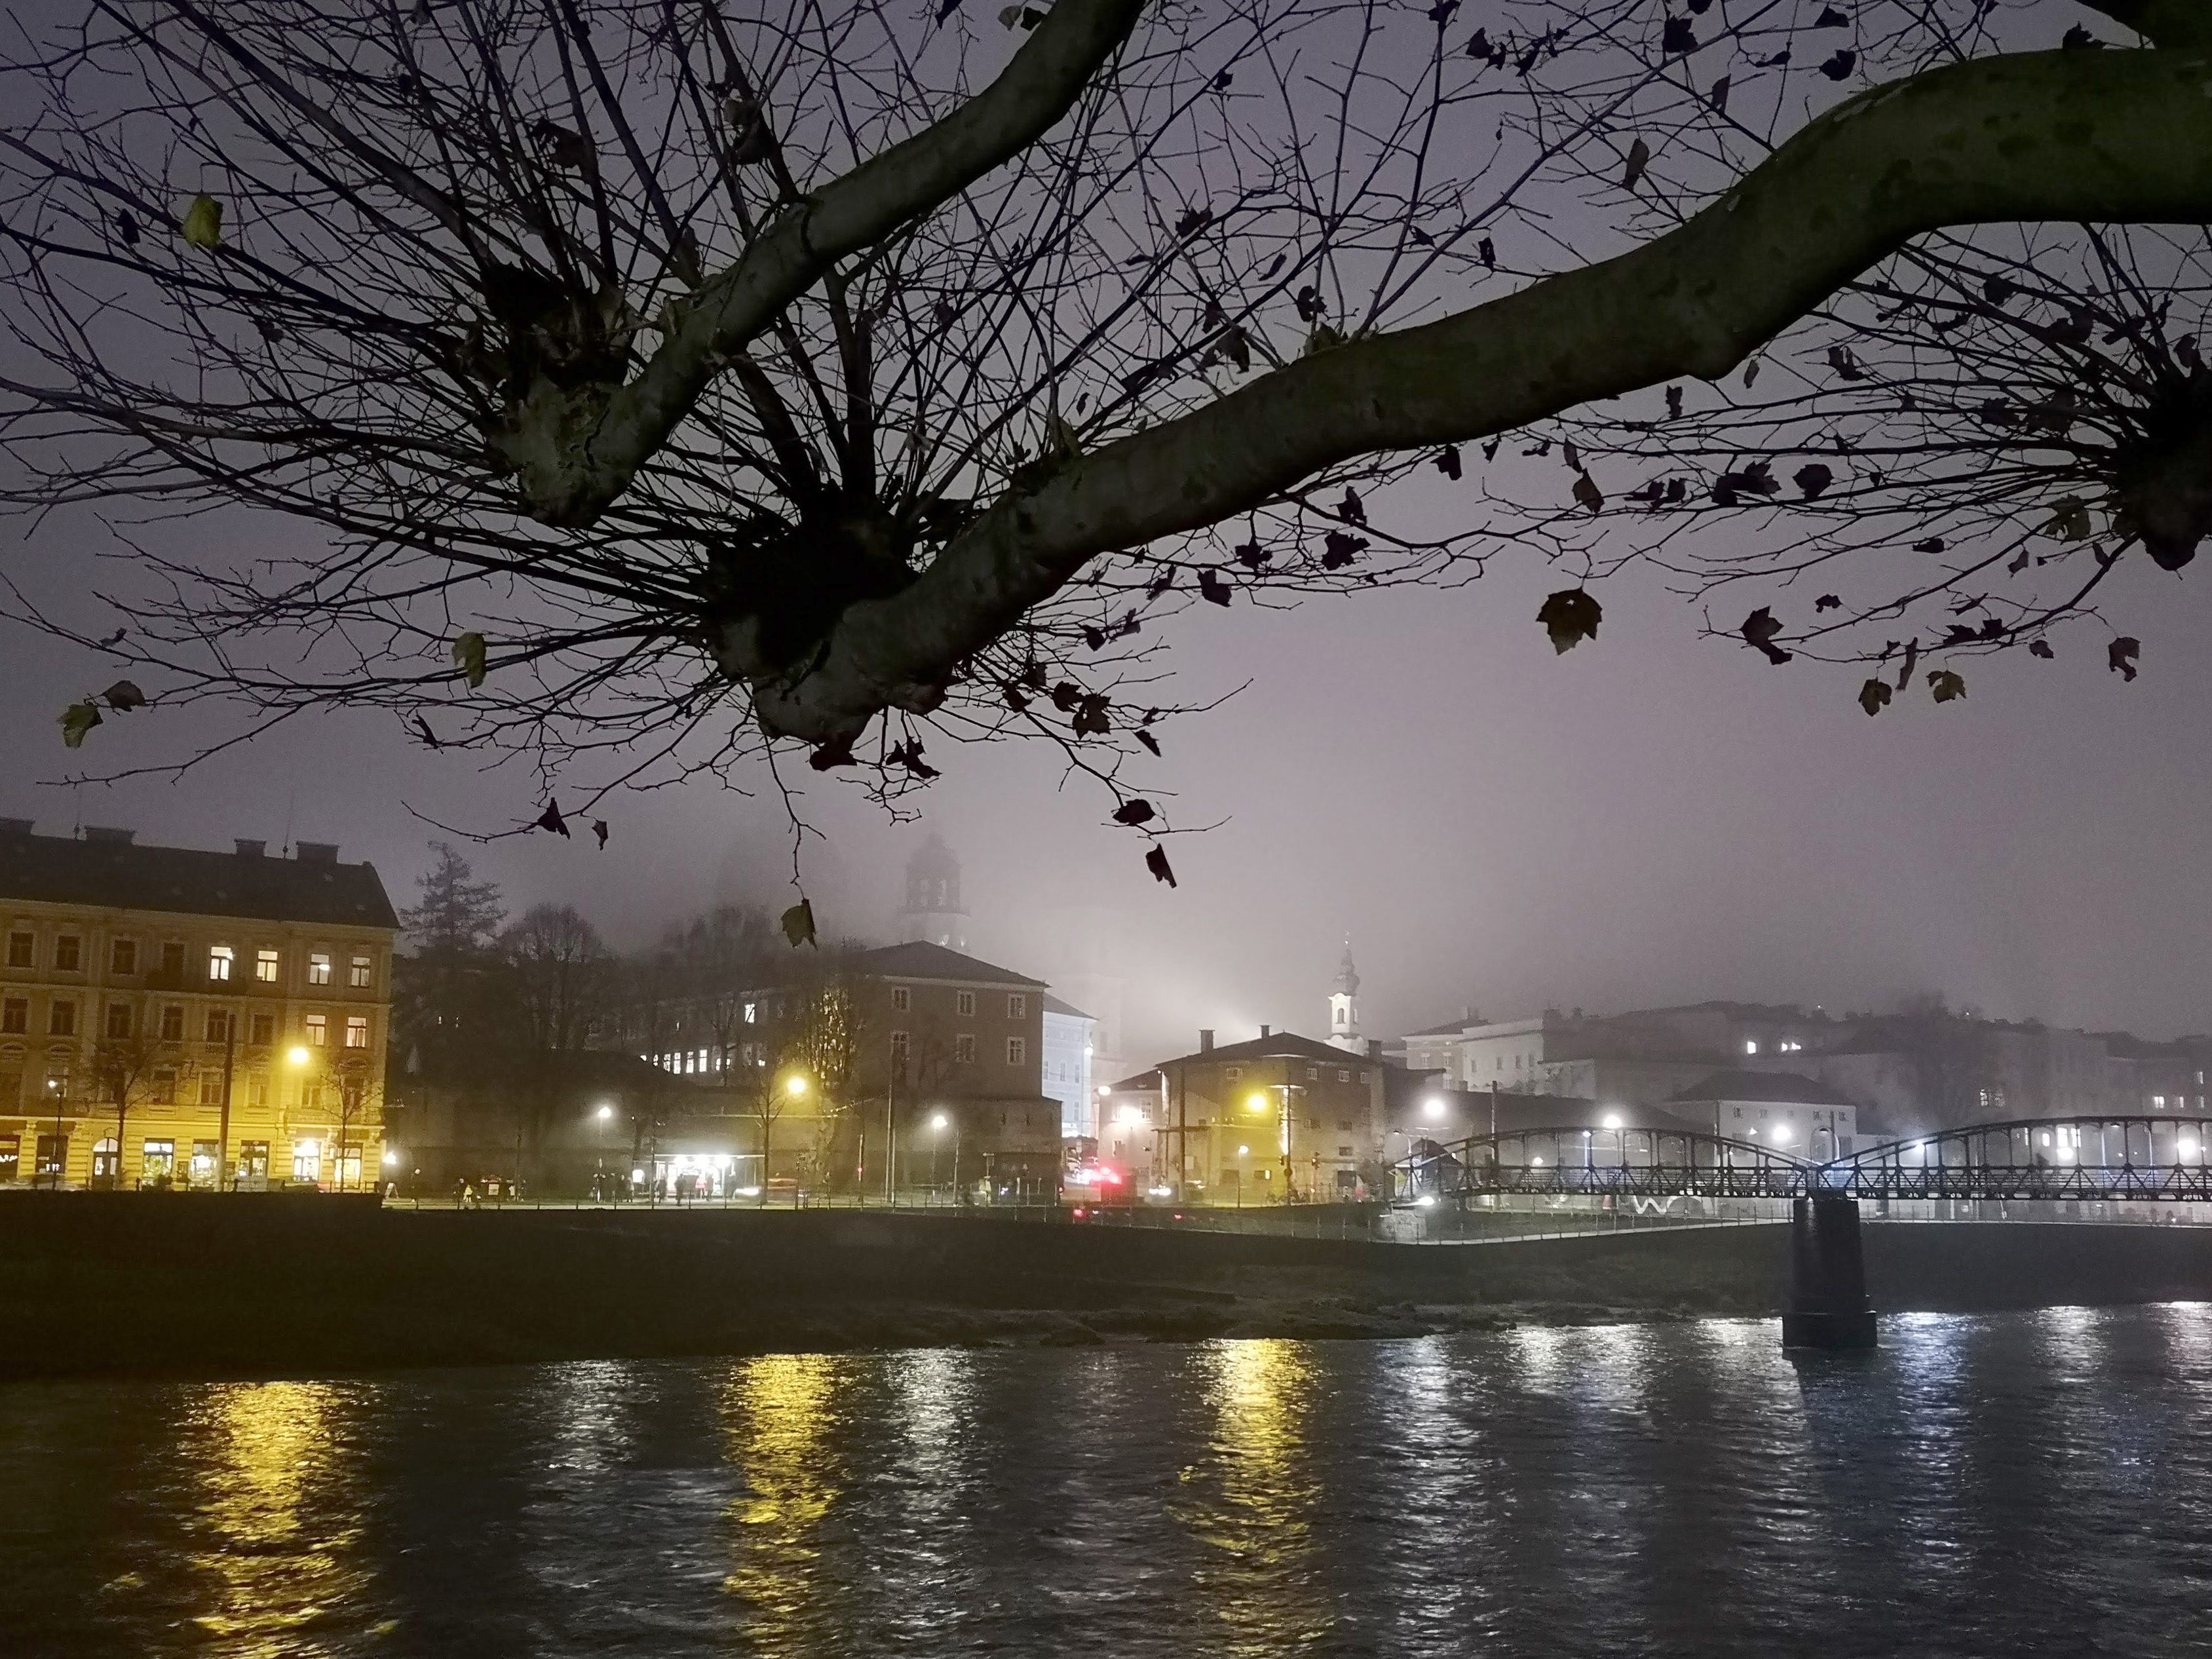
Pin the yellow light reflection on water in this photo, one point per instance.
(279, 1517)
(777, 1416)
(1251, 1502)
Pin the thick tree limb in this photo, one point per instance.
(576, 452)
(2184, 24)
(2109, 137)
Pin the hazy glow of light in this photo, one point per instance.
(1536, 1162)
(1432, 1107)
(940, 1122)
(297, 1056)
(1258, 1102)
(605, 1112)
(796, 1086)
(2188, 1147)
(1612, 1119)
(1243, 1151)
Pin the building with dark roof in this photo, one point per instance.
(1279, 1116)
(173, 1016)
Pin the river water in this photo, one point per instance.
(2024, 1484)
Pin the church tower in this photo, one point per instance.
(1344, 1006)
(932, 913)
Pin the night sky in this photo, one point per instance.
(1650, 818)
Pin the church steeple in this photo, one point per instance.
(1344, 1005)
(932, 912)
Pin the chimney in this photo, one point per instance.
(1267, 1030)
(107, 837)
(318, 852)
(1206, 1039)
(250, 849)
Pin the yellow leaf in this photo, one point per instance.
(77, 718)
(469, 658)
(203, 223)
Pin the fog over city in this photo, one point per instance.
(1652, 818)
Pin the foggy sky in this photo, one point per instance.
(1649, 818)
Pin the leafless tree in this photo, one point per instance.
(129, 1069)
(660, 385)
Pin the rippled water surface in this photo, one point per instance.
(2025, 1484)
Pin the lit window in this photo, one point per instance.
(356, 1031)
(1016, 1051)
(901, 999)
(363, 974)
(964, 1002)
(123, 957)
(963, 1048)
(1018, 1007)
(264, 967)
(318, 968)
(752, 1013)
(306, 1160)
(1750, 1047)
(69, 953)
(2158, 1102)
(159, 1159)
(219, 962)
(319, 1031)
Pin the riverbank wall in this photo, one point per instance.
(260, 1284)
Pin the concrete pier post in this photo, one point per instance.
(1828, 1306)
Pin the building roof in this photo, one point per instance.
(1276, 1045)
(922, 960)
(1449, 1027)
(1053, 1004)
(1784, 1088)
(115, 872)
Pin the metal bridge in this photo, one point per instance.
(2158, 1160)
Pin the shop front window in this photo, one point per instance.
(52, 1155)
(206, 1163)
(107, 1161)
(11, 1158)
(253, 1158)
(158, 1160)
(306, 1160)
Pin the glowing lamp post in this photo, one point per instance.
(939, 1123)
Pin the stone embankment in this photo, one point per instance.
(199, 1285)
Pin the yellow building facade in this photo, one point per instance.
(170, 1016)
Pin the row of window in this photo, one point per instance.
(964, 1050)
(222, 960)
(964, 1002)
(158, 1159)
(122, 1022)
(1232, 1073)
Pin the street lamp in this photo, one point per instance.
(940, 1122)
(605, 1112)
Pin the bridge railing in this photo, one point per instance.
(2100, 1159)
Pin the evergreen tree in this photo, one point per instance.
(457, 916)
